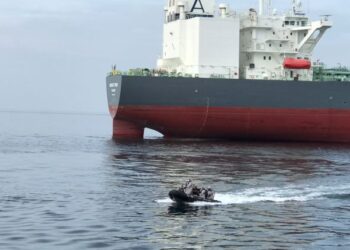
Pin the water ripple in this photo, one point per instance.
(78, 189)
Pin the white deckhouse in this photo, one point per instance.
(202, 39)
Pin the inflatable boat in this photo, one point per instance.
(181, 197)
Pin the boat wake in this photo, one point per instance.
(277, 195)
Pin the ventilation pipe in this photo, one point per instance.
(223, 10)
(166, 14)
(262, 7)
(181, 6)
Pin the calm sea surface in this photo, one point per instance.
(64, 184)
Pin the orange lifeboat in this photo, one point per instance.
(293, 63)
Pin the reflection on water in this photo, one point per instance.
(178, 209)
(69, 186)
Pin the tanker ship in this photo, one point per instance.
(233, 75)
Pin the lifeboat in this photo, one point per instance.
(293, 63)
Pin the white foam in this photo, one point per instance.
(166, 200)
(274, 194)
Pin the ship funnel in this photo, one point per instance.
(223, 10)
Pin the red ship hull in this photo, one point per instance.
(269, 124)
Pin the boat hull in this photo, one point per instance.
(182, 197)
(230, 109)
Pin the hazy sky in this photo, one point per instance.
(54, 54)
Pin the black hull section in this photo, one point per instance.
(201, 92)
(181, 197)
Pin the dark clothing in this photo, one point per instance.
(192, 190)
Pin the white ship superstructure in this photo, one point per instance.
(202, 39)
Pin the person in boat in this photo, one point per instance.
(210, 194)
(189, 192)
(192, 190)
(187, 188)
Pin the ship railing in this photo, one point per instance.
(161, 73)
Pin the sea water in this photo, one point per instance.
(65, 184)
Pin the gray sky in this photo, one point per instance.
(54, 54)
